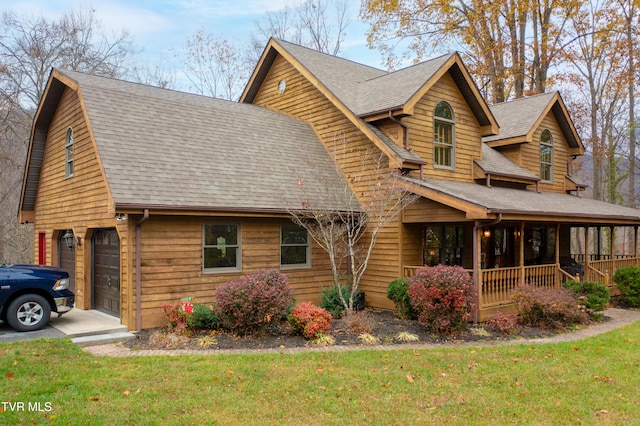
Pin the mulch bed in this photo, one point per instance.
(384, 325)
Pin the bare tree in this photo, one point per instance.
(29, 48)
(318, 24)
(214, 66)
(348, 227)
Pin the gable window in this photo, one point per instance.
(546, 156)
(221, 251)
(68, 153)
(443, 136)
(295, 250)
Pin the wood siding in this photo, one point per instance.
(467, 137)
(530, 153)
(80, 202)
(303, 101)
(171, 262)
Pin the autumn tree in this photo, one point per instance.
(348, 227)
(29, 48)
(509, 46)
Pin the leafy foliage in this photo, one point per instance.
(548, 308)
(591, 294)
(397, 293)
(252, 303)
(331, 299)
(178, 318)
(443, 297)
(310, 320)
(628, 281)
(204, 317)
(503, 322)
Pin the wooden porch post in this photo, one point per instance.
(586, 252)
(477, 269)
(635, 240)
(612, 243)
(521, 253)
(558, 280)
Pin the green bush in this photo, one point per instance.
(204, 317)
(628, 281)
(443, 297)
(548, 308)
(591, 294)
(331, 299)
(397, 293)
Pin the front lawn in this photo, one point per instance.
(586, 382)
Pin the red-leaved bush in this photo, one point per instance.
(310, 320)
(443, 297)
(553, 308)
(250, 304)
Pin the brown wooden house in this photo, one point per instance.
(149, 195)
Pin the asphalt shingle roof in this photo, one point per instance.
(177, 150)
(518, 117)
(508, 200)
(497, 163)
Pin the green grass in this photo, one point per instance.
(594, 381)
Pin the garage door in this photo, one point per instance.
(106, 271)
(67, 260)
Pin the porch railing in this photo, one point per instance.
(498, 283)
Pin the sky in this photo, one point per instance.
(159, 28)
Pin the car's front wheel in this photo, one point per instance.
(28, 312)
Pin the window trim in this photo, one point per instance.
(238, 246)
(452, 146)
(69, 146)
(548, 144)
(307, 264)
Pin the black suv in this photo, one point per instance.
(29, 293)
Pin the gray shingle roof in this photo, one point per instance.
(518, 117)
(361, 88)
(494, 162)
(177, 150)
(508, 200)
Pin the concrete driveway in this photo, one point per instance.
(7, 334)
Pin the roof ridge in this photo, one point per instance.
(422, 63)
(526, 98)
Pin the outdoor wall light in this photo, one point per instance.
(70, 240)
(487, 233)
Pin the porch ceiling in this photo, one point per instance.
(517, 204)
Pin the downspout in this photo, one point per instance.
(138, 273)
(476, 259)
(404, 126)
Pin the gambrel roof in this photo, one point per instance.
(166, 149)
(520, 118)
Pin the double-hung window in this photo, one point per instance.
(443, 136)
(295, 250)
(68, 153)
(221, 251)
(546, 156)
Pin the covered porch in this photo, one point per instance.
(505, 237)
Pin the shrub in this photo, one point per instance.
(593, 295)
(548, 308)
(503, 322)
(252, 303)
(309, 320)
(359, 323)
(443, 297)
(178, 318)
(331, 299)
(397, 293)
(204, 317)
(628, 281)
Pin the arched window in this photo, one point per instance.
(443, 136)
(546, 156)
(68, 153)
